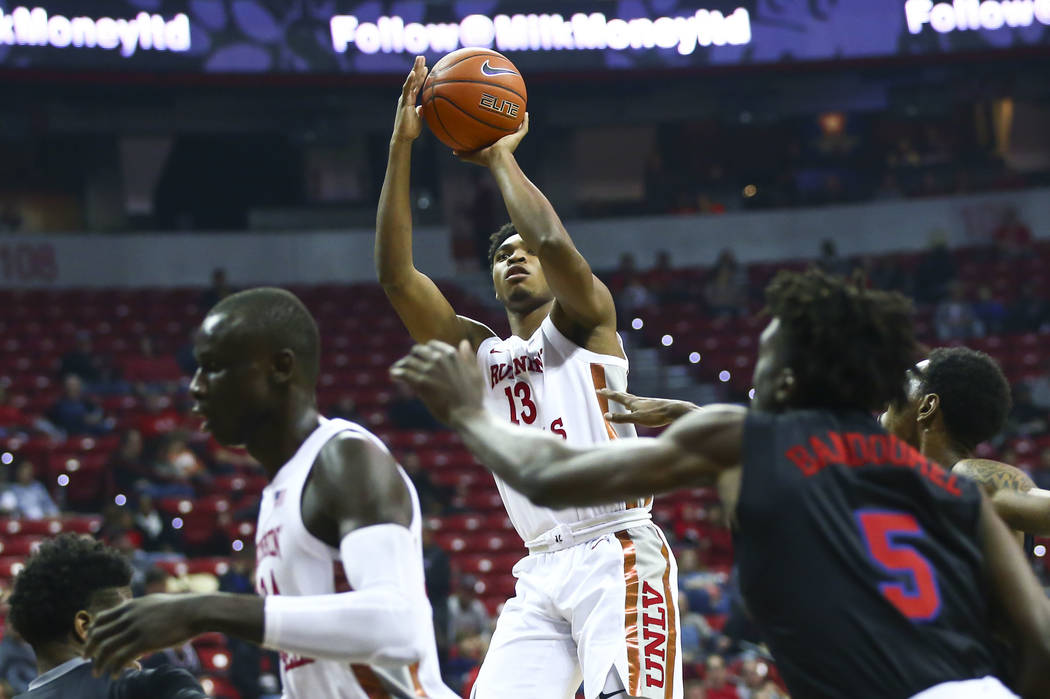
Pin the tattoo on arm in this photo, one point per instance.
(994, 476)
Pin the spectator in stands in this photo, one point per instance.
(218, 290)
(726, 288)
(150, 524)
(175, 469)
(76, 414)
(990, 311)
(128, 470)
(829, 259)
(694, 689)
(26, 496)
(1039, 386)
(1012, 238)
(1041, 472)
(406, 412)
(463, 666)
(81, 361)
(716, 681)
(238, 577)
(662, 281)
(690, 576)
(118, 521)
(151, 368)
(246, 659)
(160, 417)
(695, 632)
(438, 575)
(769, 690)
(754, 678)
(432, 499)
(466, 613)
(1026, 418)
(185, 358)
(633, 298)
(934, 273)
(17, 660)
(626, 270)
(954, 318)
(11, 417)
(1029, 312)
(185, 656)
(345, 408)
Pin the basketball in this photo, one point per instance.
(472, 98)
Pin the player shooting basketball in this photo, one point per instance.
(577, 610)
(868, 568)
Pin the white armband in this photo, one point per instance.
(386, 619)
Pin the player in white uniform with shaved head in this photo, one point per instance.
(596, 595)
(339, 563)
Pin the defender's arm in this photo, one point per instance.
(695, 450)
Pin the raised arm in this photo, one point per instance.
(580, 297)
(1012, 492)
(370, 507)
(1018, 600)
(693, 452)
(423, 309)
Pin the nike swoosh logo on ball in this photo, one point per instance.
(487, 69)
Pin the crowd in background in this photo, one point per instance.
(162, 456)
(830, 158)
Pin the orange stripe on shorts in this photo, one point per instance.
(672, 630)
(630, 576)
(417, 686)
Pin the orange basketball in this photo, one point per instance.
(472, 98)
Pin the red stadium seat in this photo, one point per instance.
(10, 566)
(19, 545)
(215, 566)
(496, 522)
(461, 523)
(219, 687)
(37, 527)
(215, 661)
(210, 640)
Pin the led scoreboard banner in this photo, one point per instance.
(347, 37)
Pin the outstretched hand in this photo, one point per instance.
(121, 635)
(446, 379)
(506, 145)
(408, 123)
(648, 412)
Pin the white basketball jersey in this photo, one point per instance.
(549, 383)
(291, 561)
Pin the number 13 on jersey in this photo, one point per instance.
(914, 590)
(522, 392)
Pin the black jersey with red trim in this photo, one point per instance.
(859, 558)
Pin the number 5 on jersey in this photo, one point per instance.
(914, 591)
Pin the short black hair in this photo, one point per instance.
(975, 395)
(496, 239)
(63, 577)
(279, 318)
(850, 347)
